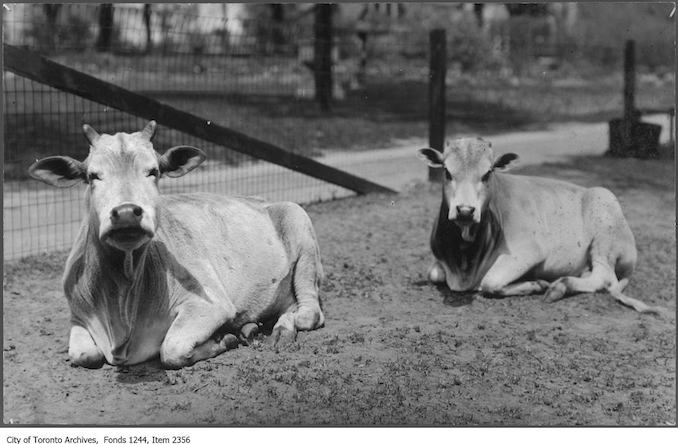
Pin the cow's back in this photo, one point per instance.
(555, 217)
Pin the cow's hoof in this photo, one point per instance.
(556, 291)
(248, 332)
(307, 318)
(282, 336)
(91, 361)
(543, 284)
(229, 341)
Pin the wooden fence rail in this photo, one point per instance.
(35, 67)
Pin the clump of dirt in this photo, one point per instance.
(392, 351)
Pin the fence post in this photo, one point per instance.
(436, 97)
(630, 114)
(322, 58)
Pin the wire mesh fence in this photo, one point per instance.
(256, 76)
(246, 76)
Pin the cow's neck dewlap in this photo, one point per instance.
(129, 265)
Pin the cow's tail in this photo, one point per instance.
(616, 289)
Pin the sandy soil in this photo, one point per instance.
(395, 349)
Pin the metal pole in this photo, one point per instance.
(436, 96)
(630, 115)
(672, 117)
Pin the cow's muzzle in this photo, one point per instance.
(465, 214)
(127, 230)
(466, 219)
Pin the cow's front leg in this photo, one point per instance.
(82, 350)
(194, 335)
(507, 269)
(284, 330)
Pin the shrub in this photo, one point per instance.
(469, 47)
(603, 26)
(75, 34)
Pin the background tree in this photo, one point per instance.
(278, 18)
(478, 11)
(514, 9)
(51, 13)
(531, 9)
(147, 25)
(105, 27)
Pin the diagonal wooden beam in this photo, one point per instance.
(35, 67)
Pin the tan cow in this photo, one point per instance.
(514, 235)
(177, 276)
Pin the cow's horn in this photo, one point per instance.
(149, 131)
(90, 133)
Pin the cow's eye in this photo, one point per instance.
(486, 176)
(92, 177)
(448, 176)
(153, 172)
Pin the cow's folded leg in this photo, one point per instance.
(523, 288)
(622, 284)
(602, 278)
(284, 330)
(556, 291)
(307, 277)
(82, 350)
(193, 336)
(304, 313)
(248, 332)
(599, 278)
(570, 284)
(507, 269)
(214, 346)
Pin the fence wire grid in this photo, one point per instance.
(233, 79)
(255, 76)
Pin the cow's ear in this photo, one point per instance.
(433, 158)
(505, 161)
(58, 171)
(179, 160)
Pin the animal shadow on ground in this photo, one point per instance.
(451, 298)
(145, 372)
(455, 298)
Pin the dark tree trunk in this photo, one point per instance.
(478, 11)
(147, 24)
(52, 12)
(362, 72)
(105, 27)
(278, 16)
(322, 65)
(533, 9)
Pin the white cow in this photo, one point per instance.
(512, 235)
(177, 276)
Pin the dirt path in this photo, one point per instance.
(392, 351)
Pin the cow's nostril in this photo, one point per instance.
(465, 211)
(126, 214)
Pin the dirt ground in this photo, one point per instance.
(395, 349)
